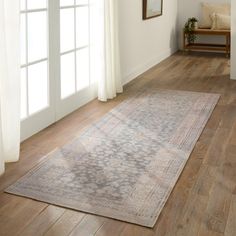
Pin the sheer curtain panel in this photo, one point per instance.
(9, 82)
(110, 83)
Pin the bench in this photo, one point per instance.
(209, 46)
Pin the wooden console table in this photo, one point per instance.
(209, 46)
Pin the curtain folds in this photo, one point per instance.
(9, 82)
(109, 84)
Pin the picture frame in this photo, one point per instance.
(152, 8)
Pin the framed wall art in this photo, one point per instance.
(152, 8)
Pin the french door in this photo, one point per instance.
(55, 61)
(76, 85)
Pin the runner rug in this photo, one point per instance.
(125, 165)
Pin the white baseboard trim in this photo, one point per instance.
(232, 69)
(147, 65)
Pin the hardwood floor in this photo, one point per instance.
(203, 201)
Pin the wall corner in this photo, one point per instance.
(233, 40)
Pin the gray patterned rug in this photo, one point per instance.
(125, 165)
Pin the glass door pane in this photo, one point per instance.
(34, 57)
(82, 26)
(36, 4)
(66, 3)
(67, 29)
(37, 87)
(82, 68)
(23, 93)
(74, 47)
(37, 36)
(67, 74)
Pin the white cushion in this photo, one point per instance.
(220, 22)
(208, 9)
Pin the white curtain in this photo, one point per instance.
(109, 83)
(9, 82)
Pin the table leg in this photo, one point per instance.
(184, 44)
(227, 45)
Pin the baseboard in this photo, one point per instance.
(147, 65)
(233, 77)
(232, 63)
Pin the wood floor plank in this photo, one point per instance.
(111, 227)
(20, 217)
(88, 226)
(228, 119)
(136, 230)
(217, 211)
(12, 205)
(43, 221)
(204, 181)
(216, 117)
(217, 148)
(232, 140)
(230, 229)
(193, 213)
(5, 199)
(65, 224)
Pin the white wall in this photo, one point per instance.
(145, 43)
(233, 40)
(190, 8)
